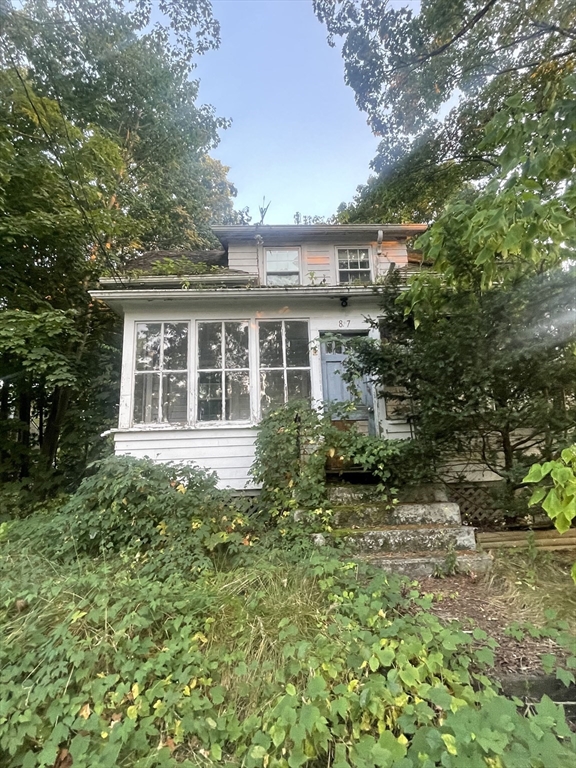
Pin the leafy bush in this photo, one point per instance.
(172, 516)
(314, 664)
(295, 441)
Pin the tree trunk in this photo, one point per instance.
(58, 408)
(24, 408)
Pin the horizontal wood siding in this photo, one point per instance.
(397, 430)
(318, 266)
(228, 452)
(393, 251)
(243, 257)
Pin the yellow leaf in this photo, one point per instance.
(181, 488)
(104, 734)
(85, 712)
(132, 712)
(450, 743)
(402, 739)
(186, 690)
(331, 452)
(135, 690)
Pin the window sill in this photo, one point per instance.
(205, 425)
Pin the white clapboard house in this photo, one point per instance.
(205, 356)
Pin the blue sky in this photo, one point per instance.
(297, 136)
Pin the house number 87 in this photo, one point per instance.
(343, 323)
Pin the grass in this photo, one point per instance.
(531, 583)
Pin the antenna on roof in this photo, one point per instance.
(263, 209)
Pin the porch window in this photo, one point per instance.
(282, 267)
(353, 265)
(223, 371)
(284, 362)
(161, 378)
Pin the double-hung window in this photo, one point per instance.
(284, 362)
(283, 266)
(161, 377)
(353, 265)
(223, 372)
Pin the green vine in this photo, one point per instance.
(295, 442)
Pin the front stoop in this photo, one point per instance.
(421, 536)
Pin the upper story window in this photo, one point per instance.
(284, 362)
(354, 265)
(282, 266)
(223, 372)
(161, 384)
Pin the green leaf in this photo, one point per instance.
(565, 676)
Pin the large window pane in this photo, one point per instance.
(297, 353)
(175, 397)
(236, 348)
(210, 396)
(282, 267)
(354, 265)
(175, 346)
(146, 394)
(282, 261)
(237, 396)
(271, 390)
(148, 336)
(298, 385)
(270, 335)
(209, 345)
(282, 280)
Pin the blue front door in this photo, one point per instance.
(335, 389)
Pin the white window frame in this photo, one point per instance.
(296, 249)
(159, 372)
(195, 421)
(364, 247)
(285, 368)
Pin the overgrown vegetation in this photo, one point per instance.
(104, 154)
(283, 661)
(295, 442)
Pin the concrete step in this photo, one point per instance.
(409, 538)
(352, 494)
(419, 565)
(364, 515)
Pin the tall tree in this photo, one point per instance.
(406, 67)
(103, 153)
(485, 342)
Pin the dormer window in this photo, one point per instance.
(282, 266)
(354, 265)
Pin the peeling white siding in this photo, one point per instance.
(228, 452)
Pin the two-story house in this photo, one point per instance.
(205, 356)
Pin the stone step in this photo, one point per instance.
(381, 514)
(351, 494)
(419, 565)
(409, 538)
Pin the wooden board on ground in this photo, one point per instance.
(549, 540)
